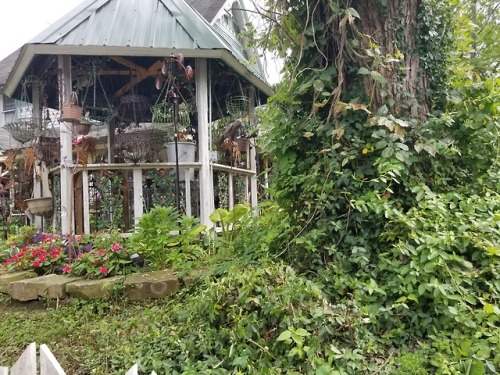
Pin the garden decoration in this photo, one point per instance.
(47, 146)
(237, 103)
(172, 107)
(133, 108)
(95, 114)
(25, 125)
(42, 206)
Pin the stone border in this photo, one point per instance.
(26, 286)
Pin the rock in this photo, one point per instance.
(154, 284)
(102, 288)
(8, 278)
(49, 286)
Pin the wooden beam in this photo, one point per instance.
(140, 75)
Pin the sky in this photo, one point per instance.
(24, 19)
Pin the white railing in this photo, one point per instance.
(27, 364)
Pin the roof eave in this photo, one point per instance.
(29, 51)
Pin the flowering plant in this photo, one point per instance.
(42, 253)
(101, 262)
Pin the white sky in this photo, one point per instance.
(21, 20)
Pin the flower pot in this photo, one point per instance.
(243, 144)
(82, 128)
(71, 113)
(186, 153)
(40, 206)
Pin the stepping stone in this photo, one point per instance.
(154, 284)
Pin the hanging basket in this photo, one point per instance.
(40, 206)
(71, 113)
(141, 145)
(24, 129)
(82, 128)
(133, 108)
(237, 105)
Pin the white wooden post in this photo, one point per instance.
(188, 172)
(134, 370)
(4, 370)
(138, 210)
(37, 184)
(66, 131)
(26, 363)
(252, 155)
(206, 179)
(230, 190)
(86, 202)
(48, 363)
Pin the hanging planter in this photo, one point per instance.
(25, 126)
(72, 112)
(82, 128)
(40, 206)
(133, 108)
(24, 129)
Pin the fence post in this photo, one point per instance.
(48, 363)
(134, 370)
(26, 364)
(4, 370)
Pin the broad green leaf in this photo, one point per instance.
(285, 335)
(363, 70)
(302, 332)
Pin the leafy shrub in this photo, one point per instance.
(165, 239)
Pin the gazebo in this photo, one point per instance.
(118, 90)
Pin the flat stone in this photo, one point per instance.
(154, 284)
(102, 288)
(48, 286)
(11, 277)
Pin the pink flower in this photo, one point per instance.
(103, 270)
(115, 247)
(66, 268)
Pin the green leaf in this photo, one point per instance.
(353, 12)
(302, 332)
(308, 134)
(285, 335)
(363, 70)
(477, 368)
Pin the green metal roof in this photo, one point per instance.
(135, 28)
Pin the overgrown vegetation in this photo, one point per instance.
(381, 251)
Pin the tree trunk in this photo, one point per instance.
(394, 29)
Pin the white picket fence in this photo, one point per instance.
(27, 364)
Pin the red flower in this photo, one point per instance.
(115, 247)
(101, 252)
(35, 263)
(103, 270)
(42, 257)
(66, 268)
(95, 261)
